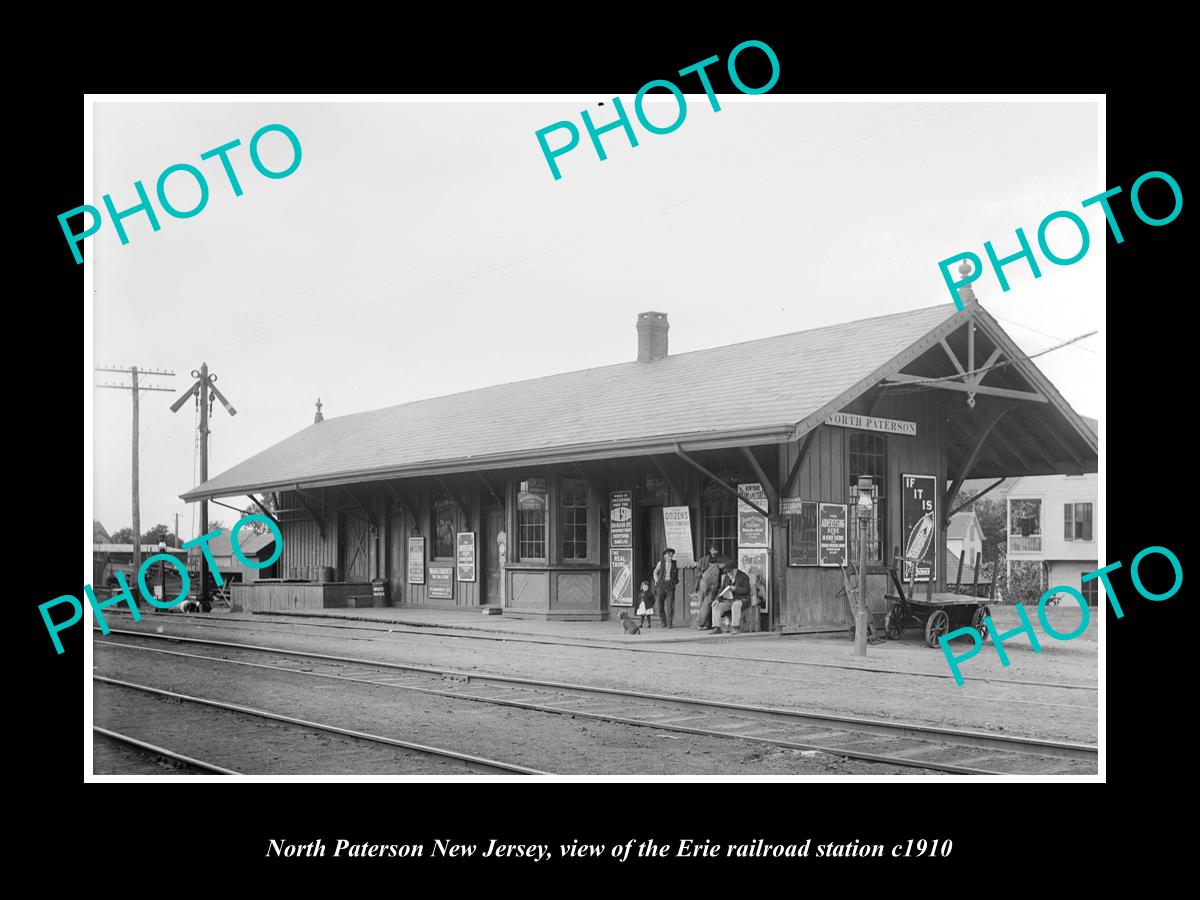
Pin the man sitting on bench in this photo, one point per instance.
(733, 596)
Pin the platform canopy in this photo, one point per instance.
(776, 390)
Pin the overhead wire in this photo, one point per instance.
(919, 384)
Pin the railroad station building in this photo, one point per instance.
(546, 497)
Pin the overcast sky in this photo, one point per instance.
(424, 248)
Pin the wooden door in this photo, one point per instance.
(491, 524)
(355, 546)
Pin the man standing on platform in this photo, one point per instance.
(709, 582)
(666, 577)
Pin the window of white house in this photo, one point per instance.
(1077, 521)
(1088, 588)
(1025, 525)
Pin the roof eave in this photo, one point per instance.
(690, 441)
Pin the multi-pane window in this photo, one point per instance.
(868, 456)
(531, 519)
(1077, 521)
(721, 522)
(443, 527)
(573, 517)
(1088, 588)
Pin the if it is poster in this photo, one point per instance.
(918, 513)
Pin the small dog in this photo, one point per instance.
(630, 626)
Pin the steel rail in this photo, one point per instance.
(162, 751)
(473, 762)
(926, 733)
(476, 634)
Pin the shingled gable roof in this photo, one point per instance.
(774, 389)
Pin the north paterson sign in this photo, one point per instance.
(872, 423)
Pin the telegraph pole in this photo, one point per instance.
(134, 372)
(200, 389)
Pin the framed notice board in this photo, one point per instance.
(802, 533)
(832, 534)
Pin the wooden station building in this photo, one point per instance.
(519, 497)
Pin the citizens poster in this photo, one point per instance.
(677, 525)
(918, 514)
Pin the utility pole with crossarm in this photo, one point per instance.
(200, 389)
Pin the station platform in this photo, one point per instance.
(473, 620)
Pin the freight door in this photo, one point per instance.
(354, 544)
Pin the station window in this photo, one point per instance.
(1077, 521)
(573, 517)
(531, 518)
(868, 456)
(443, 526)
(720, 521)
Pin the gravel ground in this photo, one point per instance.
(815, 672)
(555, 743)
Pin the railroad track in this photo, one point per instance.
(154, 750)
(904, 744)
(196, 621)
(473, 763)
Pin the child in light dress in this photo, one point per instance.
(645, 605)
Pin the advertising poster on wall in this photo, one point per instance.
(416, 560)
(918, 513)
(620, 571)
(620, 520)
(441, 582)
(677, 525)
(465, 557)
(752, 525)
(755, 563)
(831, 534)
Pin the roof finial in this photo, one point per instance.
(318, 417)
(965, 292)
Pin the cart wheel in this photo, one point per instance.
(978, 624)
(937, 625)
(893, 625)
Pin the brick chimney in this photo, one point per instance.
(652, 336)
(318, 417)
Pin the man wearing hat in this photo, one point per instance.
(735, 586)
(666, 576)
(709, 582)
